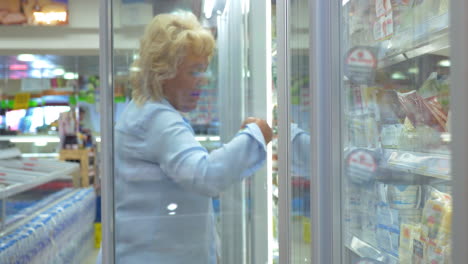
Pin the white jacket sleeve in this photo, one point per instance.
(172, 144)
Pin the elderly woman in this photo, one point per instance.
(164, 178)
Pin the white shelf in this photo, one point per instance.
(9, 153)
(31, 138)
(432, 36)
(426, 164)
(34, 181)
(365, 250)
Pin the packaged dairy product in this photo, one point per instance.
(403, 196)
(408, 233)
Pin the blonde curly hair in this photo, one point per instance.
(167, 39)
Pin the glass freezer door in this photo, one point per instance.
(154, 207)
(395, 94)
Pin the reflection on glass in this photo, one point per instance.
(299, 82)
(396, 87)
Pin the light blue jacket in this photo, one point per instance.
(165, 181)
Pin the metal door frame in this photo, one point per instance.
(106, 61)
(326, 128)
(459, 127)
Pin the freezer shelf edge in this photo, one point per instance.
(20, 187)
(364, 249)
(426, 164)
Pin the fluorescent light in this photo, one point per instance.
(135, 69)
(50, 17)
(36, 74)
(59, 71)
(172, 207)
(40, 143)
(32, 139)
(398, 76)
(25, 57)
(46, 73)
(414, 70)
(207, 138)
(69, 76)
(18, 67)
(444, 63)
(208, 8)
(446, 137)
(42, 64)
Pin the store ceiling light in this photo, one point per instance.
(18, 67)
(42, 64)
(398, 76)
(36, 74)
(444, 63)
(32, 139)
(50, 17)
(208, 7)
(69, 76)
(40, 143)
(413, 70)
(47, 73)
(25, 57)
(135, 69)
(59, 72)
(172, 207)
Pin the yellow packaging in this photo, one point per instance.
(97, 235)
(436, 218)
(306, 234)
(408, 233)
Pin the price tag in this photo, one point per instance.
(21, 101)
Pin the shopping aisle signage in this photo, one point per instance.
(360, 65)
(21, 101)
(38, 12)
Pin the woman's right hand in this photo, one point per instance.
(263, 125)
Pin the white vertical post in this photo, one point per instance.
(260, 86)
(284, 179)
(231, 95)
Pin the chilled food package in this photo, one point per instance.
(420, 112)
(408, 233)
(437, 87)
(436, 217)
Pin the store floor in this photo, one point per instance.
(92, 258)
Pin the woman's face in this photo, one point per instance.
(183, 91)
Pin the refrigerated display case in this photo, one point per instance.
(397, 203)
(386, 170)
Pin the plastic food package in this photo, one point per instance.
(408, 232)
(420, 112)
(437, 213)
